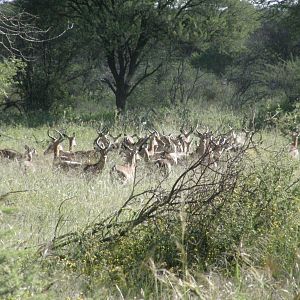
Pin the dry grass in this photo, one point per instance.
(43, 203)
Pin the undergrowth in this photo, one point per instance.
(248, 248)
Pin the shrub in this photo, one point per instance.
(202, 222)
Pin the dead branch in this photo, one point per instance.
(201, 190)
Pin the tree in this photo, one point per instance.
(8, 70)
(127, 33)
(20, 36)
(124, 33)
(16, 25)
(274, 46)
(229, 27)
(59, 59)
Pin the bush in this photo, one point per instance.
(205, 221)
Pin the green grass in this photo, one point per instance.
(47, 203)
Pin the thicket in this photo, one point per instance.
(241, 214)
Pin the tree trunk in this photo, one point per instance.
(121, 97)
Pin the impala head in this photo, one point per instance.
(102, 148)
(103, 137)
(72, 141)
(186, 133)
(128, 140)
(102, 132)
(153, 143)
(30, 152)
(55, 144)
(295, 135)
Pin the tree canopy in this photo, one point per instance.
(119, 45)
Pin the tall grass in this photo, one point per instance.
(248, 261)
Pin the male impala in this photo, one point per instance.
(185, 139)
(66, 155)
(55, 143)
(99, 166)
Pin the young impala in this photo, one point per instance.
(27, 163)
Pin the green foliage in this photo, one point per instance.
(269, 65)
(228, 25)
(248, 247)
(58, 70)
(265, 210)
(289, 121)
(260, 216)
(123, 43)
(278, 114)
(8, 70)
(285, 77)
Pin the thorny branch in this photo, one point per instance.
(201, 190)
(16, 26)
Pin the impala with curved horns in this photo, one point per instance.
(98, 166)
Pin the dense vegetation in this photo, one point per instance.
(226, 233)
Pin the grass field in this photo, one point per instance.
(257, 258)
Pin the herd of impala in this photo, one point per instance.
(164, 151)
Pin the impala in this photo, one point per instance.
(294, 152)
(76, 155)
(62, 161)
(27, 163)
(15, 155)
(103, 137)
(66, 155)
(204, 142)
(72, 141)
(10, 154)
(127, 171)
(185, 139)
(99, 166)
(56, 147)
(149, 152)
